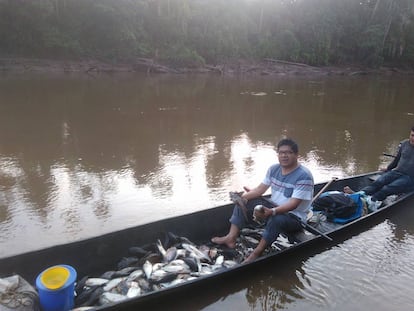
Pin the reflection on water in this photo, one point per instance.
(81, 156)
(376, 264)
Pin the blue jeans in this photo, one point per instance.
(391, 182)
(281, 223)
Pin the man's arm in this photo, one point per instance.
(255, 192)
(394, 162)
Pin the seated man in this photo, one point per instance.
(292, 191)
(398, 176)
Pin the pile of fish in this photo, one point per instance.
(164, 264)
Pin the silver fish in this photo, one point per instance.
(229, 263)
(95, 282)
(236, 198)
(144, 284)
(157, 266)
(123, 272)
(219, 260)
(196, 252)
(170, 254)
(135, 275)
(112, 284)
(283, 240)
(162, 276)
(147, 267)
(108, 297)
(177, 268)
(134, 290)
(161, 249)
(251, 241)
(181, 253)
(172, 283)
(158, 274)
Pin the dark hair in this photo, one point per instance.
(288, 142)
(412, 128)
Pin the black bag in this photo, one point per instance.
(335, 205)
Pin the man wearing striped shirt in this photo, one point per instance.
(291, 187)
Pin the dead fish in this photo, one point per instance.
(196, 252)
(250, 231)
(147, 267)
(124, 286)
(144, 284)
(229, 263)
(157, 266)
(171, 254)
(161, 249)
(95, 282)
(137, 251)
(127, 262)
(181, 253)
(162, 276)
(229, 253)
(176, 269)
(135, 275)
(80, 284)
(236, 198)
(108, 297)
(108, 275)
(124, 272)
(112, 284)
(193, 263)
(213, 252)
(134, 290)
(152, 258)
(219, 260)
(284, 241)
(171, 239)
(172, 283)
(89, 297)
(250, 241)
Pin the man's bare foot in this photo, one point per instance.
(226, 240)
(348, 190)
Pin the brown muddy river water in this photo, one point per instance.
(85, 155)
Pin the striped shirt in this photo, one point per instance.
(297, 184)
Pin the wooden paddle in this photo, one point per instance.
(323, 189)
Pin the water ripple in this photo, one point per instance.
(374, 263)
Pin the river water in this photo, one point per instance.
(84, 155)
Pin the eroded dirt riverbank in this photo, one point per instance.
(266, 67)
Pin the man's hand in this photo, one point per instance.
(261, 212)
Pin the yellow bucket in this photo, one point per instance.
(55, 277)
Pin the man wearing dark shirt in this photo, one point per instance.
(398, 176)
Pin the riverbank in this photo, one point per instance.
(269, 67)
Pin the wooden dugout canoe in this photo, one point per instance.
(96, 255)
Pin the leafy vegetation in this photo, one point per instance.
(194, 32)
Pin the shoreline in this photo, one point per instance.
(267, 67)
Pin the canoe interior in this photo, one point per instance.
(99, 254)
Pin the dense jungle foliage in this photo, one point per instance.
(195, 32)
